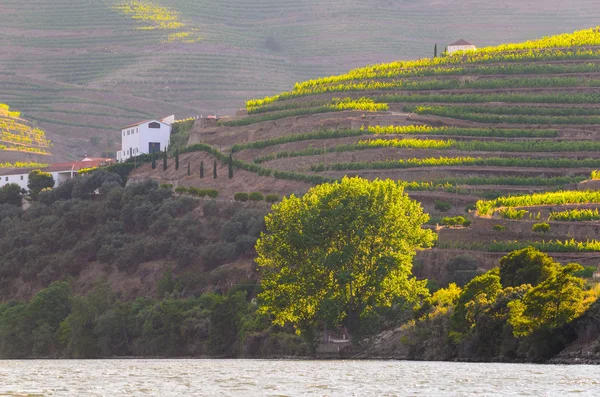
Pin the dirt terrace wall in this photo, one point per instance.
(432, 264)
(481, 231)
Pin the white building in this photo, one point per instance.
(60, 171)
(145, 137)
(460, 45)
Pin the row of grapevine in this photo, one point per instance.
(487, 207)
(462, 161)
(457, 131)
(576, 215)
(336, 105)
(458, 113)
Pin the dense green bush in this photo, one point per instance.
(240, 196)
(456, 221)
(272, 198)
(256, 196)
(540, 227)
(181, 190)
(442, 206)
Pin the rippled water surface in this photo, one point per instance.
(114, 378)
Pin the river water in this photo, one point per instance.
(248, 378)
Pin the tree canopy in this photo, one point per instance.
(526, 266)
(12, 194)
(339, 252)
(553, 303)
(38, 181)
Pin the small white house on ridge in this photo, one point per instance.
(460, 45)
(145, 137)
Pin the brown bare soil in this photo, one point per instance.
(242, 181)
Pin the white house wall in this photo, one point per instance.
(454, 48)
(19, 179)
(130, 138)
(23, 179)
(136, 140)
(147, 135)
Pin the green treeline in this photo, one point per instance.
(58, 323)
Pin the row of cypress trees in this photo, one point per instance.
(164, 158)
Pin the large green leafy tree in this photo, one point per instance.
(38, 181)
(338, 253)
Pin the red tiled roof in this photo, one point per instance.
(460, 42)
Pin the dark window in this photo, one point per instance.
(153, 147)
(21, 177)
(154, 125)
(6, 179)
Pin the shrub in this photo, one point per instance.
(541, 227)
(181, 190)
(256, 196)
(587, 272)
(240, 196)
(499, 228)
(456, 221)
(272, 198)
(166, 186)
(442, 206)
(470, 207)
(212, 193)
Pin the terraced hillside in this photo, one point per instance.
(84, 68)
(20, 141)
(518, 120)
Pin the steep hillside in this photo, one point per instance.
(509, 120)
(82, 69)
(21, 144)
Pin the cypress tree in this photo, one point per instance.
(176, 159)
(435, 51)
(215, 170)
(153, 161)
(165, 160)
(189, 171)
(202, 169)
(230, 166)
